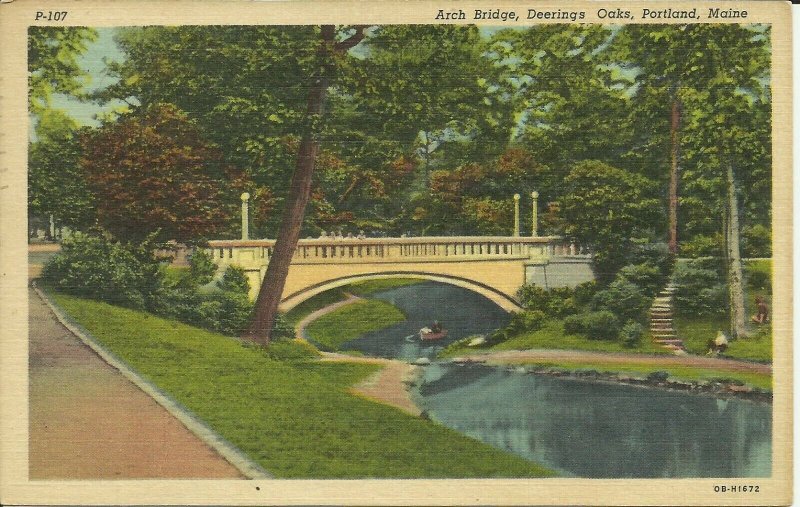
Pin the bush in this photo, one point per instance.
(201, 267)
(702, 246)
(631, 334)
(656, 255)
(756, 241)
(701, 289)
(282, 329)
(100, 268)
(234, 280)
(759, 275)
(529, 320)
(624, 299)
(583, 293)
(645, 276)
(602, 325)
(532, 297)
(555, 303)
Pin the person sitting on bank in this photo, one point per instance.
(762, 311)
(718, 345)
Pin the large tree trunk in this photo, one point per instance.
(734, 259)
(269, 296)
(675, 125)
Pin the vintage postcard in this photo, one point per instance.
(396, 253)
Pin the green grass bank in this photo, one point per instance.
(288, 412)
(331, 330)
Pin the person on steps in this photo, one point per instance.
(762, 311)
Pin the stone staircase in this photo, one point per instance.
(661, 324)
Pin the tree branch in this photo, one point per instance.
(353, 40)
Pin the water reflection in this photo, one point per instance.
(461, 311)
(602, 430)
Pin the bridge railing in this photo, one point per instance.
(430, 248)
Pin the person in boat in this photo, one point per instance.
(718, 345)
(436, 327)
(762, 311)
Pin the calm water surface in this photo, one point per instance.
(579, 428)
(460, 311)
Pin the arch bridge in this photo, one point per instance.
(493, 266)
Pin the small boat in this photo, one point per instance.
(426, 334)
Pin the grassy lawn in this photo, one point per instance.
(369, 287)
(294, 417)
(317, 302)
(349, 322)
(552, 336)
(696, 331)
(676, 372)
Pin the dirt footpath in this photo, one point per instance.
(87, 421)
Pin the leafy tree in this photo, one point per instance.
(606, 209)
(729, 135)
(56, 185)
(153, 172)
(53, 66)
(568, 97)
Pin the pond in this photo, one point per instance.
(580, 428)
(596, 430)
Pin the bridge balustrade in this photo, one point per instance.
(327, 250)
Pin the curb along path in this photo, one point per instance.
(88, 421)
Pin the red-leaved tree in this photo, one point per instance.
(154, 171)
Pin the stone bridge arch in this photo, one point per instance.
(501, 299)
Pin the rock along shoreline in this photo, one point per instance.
(720, 387)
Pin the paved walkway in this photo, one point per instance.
(87, 421)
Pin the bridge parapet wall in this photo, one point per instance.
(493, 261)
(252, 253)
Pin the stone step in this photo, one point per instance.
(663, 335)
(674, 341)
(665, 321)
(661, 323)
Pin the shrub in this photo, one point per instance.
(656, 255)
(624, 299)
(98, 267)
(759, 275)
(201, 267)
(631, 334)
(532, 297)
(702, 246)
(583, 293)
(701, 289)
(529, 320)
(556, 302)
(756, 241)
(645, 276)
(282, 329)
(234, 280)
(602, 325)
